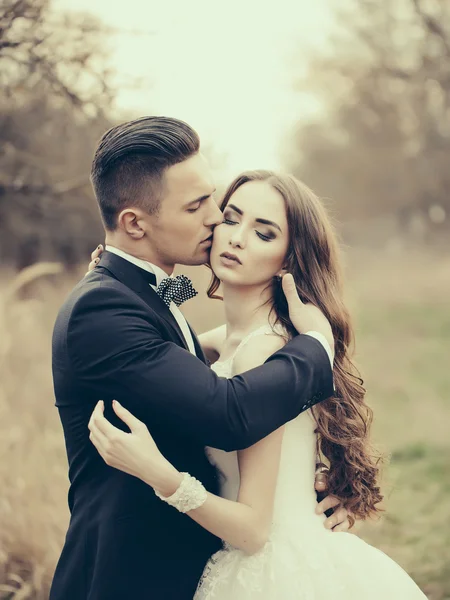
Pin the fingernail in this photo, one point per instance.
(114, 401)
(330, 523)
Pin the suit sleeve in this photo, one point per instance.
(115, 348)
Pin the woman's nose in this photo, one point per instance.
(237, 239)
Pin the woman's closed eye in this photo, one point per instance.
(228, 221)
(266, 237)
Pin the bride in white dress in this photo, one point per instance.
(275, 544)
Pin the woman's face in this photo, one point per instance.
(250, 246)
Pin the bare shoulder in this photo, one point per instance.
(256, 351)
(212, 342)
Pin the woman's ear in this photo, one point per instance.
(129, 221)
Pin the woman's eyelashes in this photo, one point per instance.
(266, 237)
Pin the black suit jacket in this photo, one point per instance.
(115, 338)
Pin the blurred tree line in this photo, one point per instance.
(381, 146)
(55, 95)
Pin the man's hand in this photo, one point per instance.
(338, 520)
(305, 317)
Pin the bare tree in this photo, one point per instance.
(384, 141)
(56, 92)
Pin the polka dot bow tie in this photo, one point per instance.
(176, 289)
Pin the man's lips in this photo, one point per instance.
(208, 239)
(231, 257)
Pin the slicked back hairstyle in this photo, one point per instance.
(130, 162)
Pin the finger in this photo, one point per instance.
(103, 425)
(92, 265)
(98, 409)
(95, 435)
(97, 252)
(335, 520)
(321, 482)
(129, 419)
(342, 527)
(99, 441)
(340, 515)
(326, 504)
(290, 290)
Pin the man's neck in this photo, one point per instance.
(139, 252)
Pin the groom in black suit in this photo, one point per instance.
(121, 335)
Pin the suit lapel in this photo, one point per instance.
(140, 282)
(198, 348)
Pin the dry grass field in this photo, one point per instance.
(402, 311)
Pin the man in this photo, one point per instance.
(120, 335)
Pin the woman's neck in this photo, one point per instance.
(246, 308)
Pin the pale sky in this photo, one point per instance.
(227, 67)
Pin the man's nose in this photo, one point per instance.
(214, 216)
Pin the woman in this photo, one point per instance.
(275, 545)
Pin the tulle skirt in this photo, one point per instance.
(297, 564)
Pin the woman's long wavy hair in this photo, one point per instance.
(344, 420)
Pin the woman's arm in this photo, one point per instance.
(245, 524)
(212, 341)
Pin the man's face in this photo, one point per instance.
(181, 232)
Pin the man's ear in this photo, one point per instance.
(129, 220)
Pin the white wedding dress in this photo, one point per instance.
(302, 560)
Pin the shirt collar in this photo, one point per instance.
(143, 264)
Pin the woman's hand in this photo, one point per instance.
(95, 258)
(134, 453)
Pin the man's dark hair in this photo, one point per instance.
(130, 162)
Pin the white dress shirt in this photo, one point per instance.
(179, 317)
(160, 275)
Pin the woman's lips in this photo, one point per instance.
(229, 259)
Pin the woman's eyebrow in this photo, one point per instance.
(263, 221)
(235, 208)
(267, 222)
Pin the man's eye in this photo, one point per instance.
(229, 222)
(193, 210)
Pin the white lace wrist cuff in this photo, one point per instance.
(190, 494)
